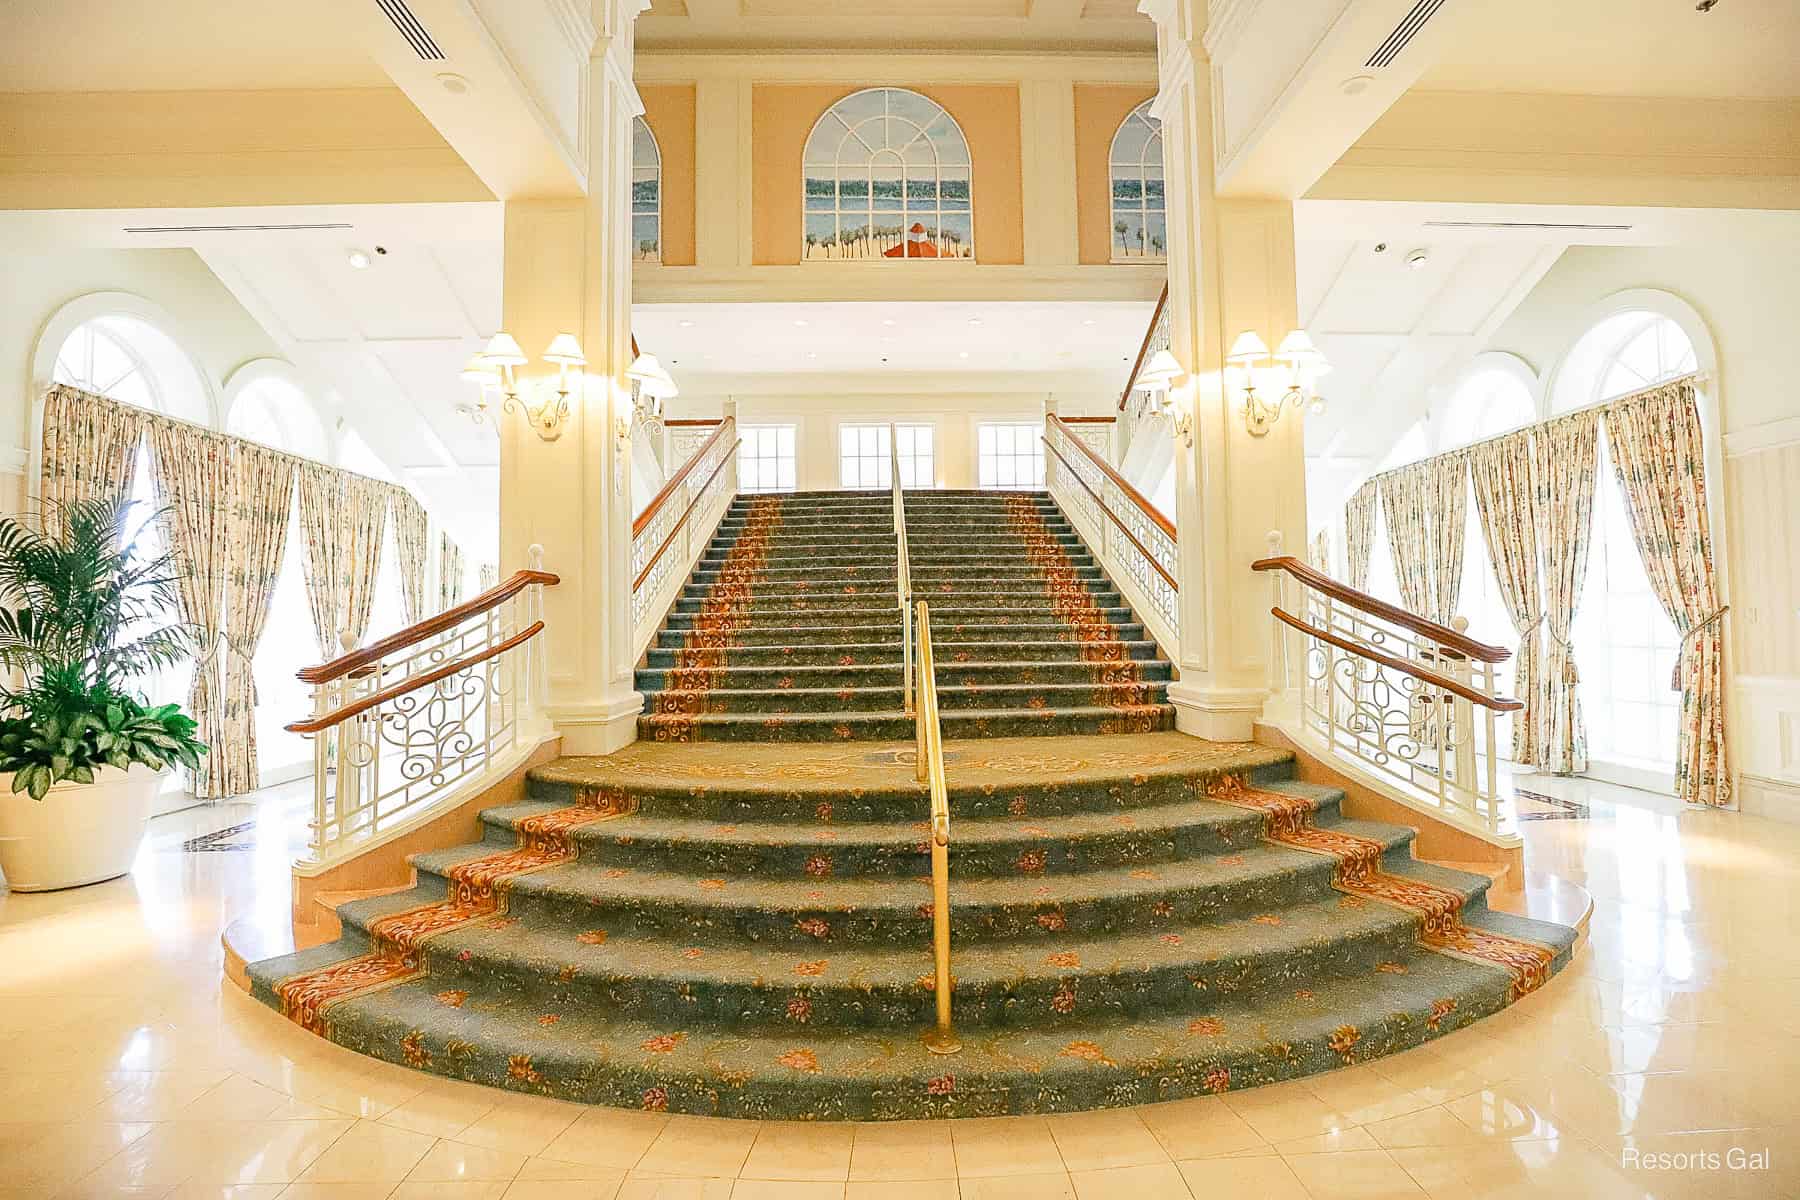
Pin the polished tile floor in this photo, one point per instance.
(1661, 1064)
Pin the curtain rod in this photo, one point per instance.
(297, 459)
(1694, 377)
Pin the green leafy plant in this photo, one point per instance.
(81, 615)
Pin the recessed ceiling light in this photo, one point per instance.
(360, 260)
(812, 354)
(889, 322)
(1417, 258)
(801, 322)
(974, 320)
(453, 83)
(685, 324)
(962, 354)
(1356, 85)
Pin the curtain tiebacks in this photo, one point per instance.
(1687, 640)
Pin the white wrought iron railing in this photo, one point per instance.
(1135, 542)
(1413, 701)
(672, 532)
(413, 719)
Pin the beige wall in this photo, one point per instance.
(783, 115)
(669, 111)
(1098, 110)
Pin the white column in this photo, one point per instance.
(1231, 268)
(568, 270)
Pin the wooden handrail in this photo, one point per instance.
(675, 481)
(1136, 497)
(1113, 517)
(414, 682)
(1443, 635)
(1399, 664)
(685, 422)
(1088, 420)
(1137, 365)
(429, 627)
(682, 523)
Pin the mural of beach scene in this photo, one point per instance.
(1139, 221)
(646, 193)
(887, 176)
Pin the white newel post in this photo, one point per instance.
(1231, 268)
(568, 270)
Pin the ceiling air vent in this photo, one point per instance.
(410, 29)
(1403, 34)
(1580, 226)
(236, 228)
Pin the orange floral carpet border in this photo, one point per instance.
(477, 891)
(1289, 822)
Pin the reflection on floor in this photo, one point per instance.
(127, 1070)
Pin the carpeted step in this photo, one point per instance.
(952, 672)
(994, 638)
(954, 615)
(950, 654)
(952, 697)
(893, 726)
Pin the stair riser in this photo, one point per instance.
(722, 917)
(949, 674)
(875, 599)
(1045, 1001)
(776, 657)
(819, 579)
(827, 523)
(897, 727)
(788, 701)
(795, 802)
(1007, 858)
(959, 617)
(989, 641)
(965, 1086)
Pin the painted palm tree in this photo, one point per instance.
(1119, 228)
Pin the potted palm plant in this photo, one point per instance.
(82, 614)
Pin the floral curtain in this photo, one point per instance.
(1506, 499)
(88, 446)
(450, 574)
(1447, 489)
(412, 543)
(193, 474)
(261, 506)
(1359, 534)
(361, 524)
(1565, 470)
(321, 492)
(1405, 501)
(1656, 456)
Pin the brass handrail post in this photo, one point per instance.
(942, 1038)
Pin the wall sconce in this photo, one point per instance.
(1157, 381)
(1305, 364)
(496, 365)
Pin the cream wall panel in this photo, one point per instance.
(1047, 138)
(1763, 501)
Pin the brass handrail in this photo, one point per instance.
(902, 567)
(942, 1038)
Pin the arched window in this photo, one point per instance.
(646, 193)
(1492, 399)
(267, 405)
(130, 360)
(887, 175)
(1621, 354)
(1139, 227)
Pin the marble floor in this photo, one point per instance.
(1664, 1063)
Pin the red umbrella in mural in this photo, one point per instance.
(917, 245)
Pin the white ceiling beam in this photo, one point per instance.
(1293, 88)
(714, 16)
(1055, 12)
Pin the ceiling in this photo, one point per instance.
(896, 24)
(938, 338)
(1623, 47)
(129, 45)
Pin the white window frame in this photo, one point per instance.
(645, 168)
(750, 452)
(1032, 454)
(874, 469)
(934, 152)
(303, 432)
(1142, 170)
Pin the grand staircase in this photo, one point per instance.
(790, 629)
(743, 927)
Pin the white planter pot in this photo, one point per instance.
(79, 833)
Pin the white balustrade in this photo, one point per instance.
(672, 532)
(1135, 543)
(419, 718)
(1412, 701)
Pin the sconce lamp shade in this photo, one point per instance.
(1248, 350)
(1158, 373)
(1297, 348)
(503, 351)
(650, 376)
(565, 351)
(479, 370)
